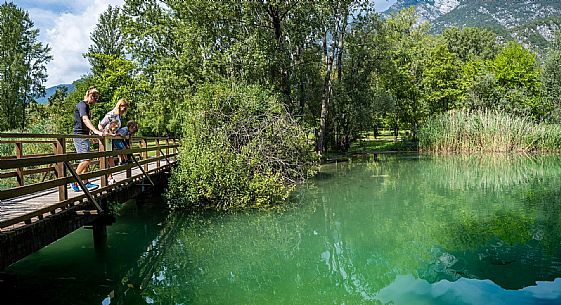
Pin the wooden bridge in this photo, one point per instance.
(36, 205)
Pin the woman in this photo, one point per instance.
(113, 117)
(115, 114)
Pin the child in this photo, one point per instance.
(119, 144)
(111, 128)
(110, 123)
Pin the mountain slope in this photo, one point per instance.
(50, 91)
(427, 9)
(530, 22)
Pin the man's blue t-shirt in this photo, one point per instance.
(82, 109)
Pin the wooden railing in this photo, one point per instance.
(62, 159)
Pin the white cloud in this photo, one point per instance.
(42, 19)
(69, 38)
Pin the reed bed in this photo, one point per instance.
(464, 131)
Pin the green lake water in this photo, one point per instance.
(403, 229)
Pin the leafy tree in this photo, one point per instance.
(401, 77)
(518, 75)
(354, 106)
(107, 39)
(112, 74)
(334, 28)
(471, 43)
(22, 65)
(240, 149)
(442, 80)
(56, 112)
(367, 61)
(551, 78)
(341, 75)
(268, 43)
(483, 91)
(117, 80)
(516, 67)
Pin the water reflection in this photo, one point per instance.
(391, 230)
(406, 289)
(491, 172)
(71, 271)
(415, 230)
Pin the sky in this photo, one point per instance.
(65, 25)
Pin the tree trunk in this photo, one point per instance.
(327, 90)
(343, 28)
(281, 71)
(276, 20)
(302, 80)
(324, 107)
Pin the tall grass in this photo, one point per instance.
(487, 131)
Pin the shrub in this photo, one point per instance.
(240, 148)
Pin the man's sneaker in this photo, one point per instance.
(111, 181)
(90, 186)
(75, 186)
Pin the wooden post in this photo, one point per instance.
(19, 170)
(102, 162)
(82, 186)
(99, 236)
(158, 153)
(143, 171)
(129, 170)
(60, 149)
(167, 149)
(167, 159)
(145, 153)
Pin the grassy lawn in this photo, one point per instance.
(386, 142)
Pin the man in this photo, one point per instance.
(83, 126)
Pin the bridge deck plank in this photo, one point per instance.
(18, 206)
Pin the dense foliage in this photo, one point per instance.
(240, 148)
(340, 76)
(22, 65)
(338, 70)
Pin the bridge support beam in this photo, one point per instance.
(99, 235)
(20, 242)
(23, 241)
